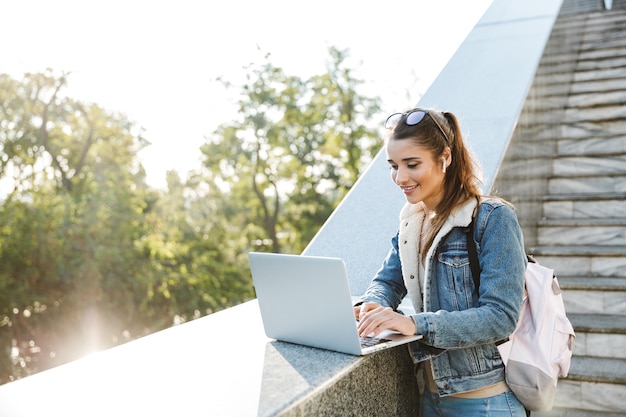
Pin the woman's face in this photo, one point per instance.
(416, 171)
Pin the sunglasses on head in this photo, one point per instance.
(413, 118)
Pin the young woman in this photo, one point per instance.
(462, 370)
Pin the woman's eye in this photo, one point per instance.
(411, 166)
(393, 167)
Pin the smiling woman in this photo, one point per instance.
(428, 261)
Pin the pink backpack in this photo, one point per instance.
(540, 349)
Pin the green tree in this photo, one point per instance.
(295, 149)
(71, 278)
(197, 257)
(91, 257)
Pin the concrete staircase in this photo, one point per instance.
(565, 171)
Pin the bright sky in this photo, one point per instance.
(156, 61)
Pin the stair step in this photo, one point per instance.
(607, 91)
(597, 261)
(598, 323)
(591, 397)
(599, 335)
(579, 166)
(599, 370)
(576, 250)
(592, 283)
(588, 129)
(585, 207)
(601, 106)
(604, 73)
(590, 299)
(583, 222)
(609, 232)
(621, 196)
(591, 146)
(593, 385)
(560, 412)
(587, 185)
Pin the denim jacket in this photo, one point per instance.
(460, 328)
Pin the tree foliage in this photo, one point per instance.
(91, 256)
(295, 149)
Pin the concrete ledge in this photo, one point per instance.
(221, 365)
(380, 384)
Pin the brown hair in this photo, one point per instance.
(461, 181)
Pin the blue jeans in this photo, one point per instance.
(502, 405)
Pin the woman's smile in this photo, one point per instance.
(408, 190)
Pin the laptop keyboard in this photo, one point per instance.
(372, 341)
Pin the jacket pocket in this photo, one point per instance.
(455, 279)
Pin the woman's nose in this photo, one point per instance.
(400, 176)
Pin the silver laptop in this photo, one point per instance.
(306, 300)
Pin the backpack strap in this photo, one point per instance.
(473, 259)
(473, 253)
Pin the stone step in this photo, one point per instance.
(597, 114)
(611, 56)
(593, 384)
(599, 74)
(588, 129)
(550, 130)
(606, 231)
(546, 130)
(597, 92)
(578, 166)
(609, 106)
(574, 57)
(568, 59)
(583, 197)
(611, 324)
(550, 78)
(588, 398)
(550, 83)
(595, 146)
(599, 335)
(594, 207)
(561, 412)
(577, 261)
(594, 295)
(575, 14)
(587, 185)
(524, 152)
(574, 10)
(599, 370)
(558, 96)
(576, 250)
(591, 283)
(604, 28)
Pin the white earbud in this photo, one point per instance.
(444, 164)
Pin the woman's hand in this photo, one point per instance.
(374, 319)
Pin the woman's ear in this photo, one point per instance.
(446, 159)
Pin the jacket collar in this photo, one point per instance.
(460, 217)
